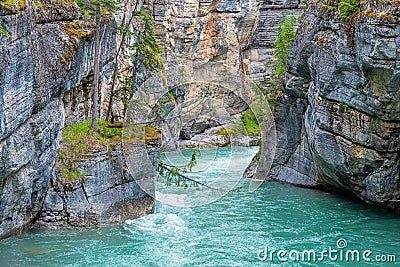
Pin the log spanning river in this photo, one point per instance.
(275, 225)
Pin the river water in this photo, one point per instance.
(239, 229)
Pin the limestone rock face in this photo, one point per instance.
(225, 38)
(258, 56)
(107, 194)
(48, 55)
(338, 122)
(197, 32)
(238, 34)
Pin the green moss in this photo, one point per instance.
(82, 133)
(69, 175)
(107, 132)
(43, 4)
(322, 40)
(382, 15)
(329, 7)
(76, 30)
(137, 133)
(152, 133)
(248, 125)
(225, 132)
(344, 105)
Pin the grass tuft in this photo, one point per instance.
(81, 142)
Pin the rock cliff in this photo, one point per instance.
(338, 120)
(45, 60)
(229, 39)
(259, 54)
(108, 194)
(239, 34)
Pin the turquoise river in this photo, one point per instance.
(277, 225)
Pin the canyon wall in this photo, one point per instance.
(218, 42)
(46, 78)
(45, 60)
(338, 120)
(238, 34)
(258, 56)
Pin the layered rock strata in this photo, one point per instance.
(338, 121)
(46, 57)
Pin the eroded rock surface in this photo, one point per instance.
(107, 194)
(338, 122)
(49, 54)
(227, 39)
(259, 54)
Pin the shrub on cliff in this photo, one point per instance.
(348, 7)
(284, 39)
(81, 141)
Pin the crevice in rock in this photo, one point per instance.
(84, 192)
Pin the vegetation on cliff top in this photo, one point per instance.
(348, 7)
(9, 4)
(80, 141)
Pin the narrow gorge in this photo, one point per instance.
(336, 108)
